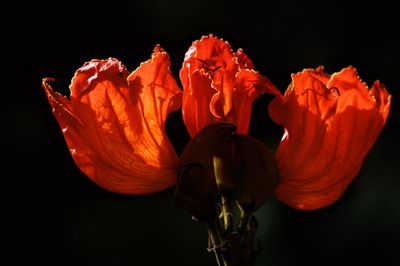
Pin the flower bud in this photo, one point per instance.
(219, 166)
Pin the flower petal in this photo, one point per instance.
(249, 86)
(207, 76)
(330, 125)
(114, 123)
(196, 103)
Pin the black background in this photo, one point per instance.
(52, 214)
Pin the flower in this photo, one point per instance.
(219, 85)
(331, 122)
(114, 126)
(114, 121)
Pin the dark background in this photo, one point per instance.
(52, 214)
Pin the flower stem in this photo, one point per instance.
(230, 247)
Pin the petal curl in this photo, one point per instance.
(219, 85)
(114, 123)
(330, 125)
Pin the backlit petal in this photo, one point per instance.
(249, 86)
(114, 123)
(330, 125)
(219, 85)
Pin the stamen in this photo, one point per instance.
(208, 64)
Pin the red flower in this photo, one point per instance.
(114, 123)
(331, 122)
(219, 85)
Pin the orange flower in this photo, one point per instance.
(219, 85)
(114, 123)
(331, 122)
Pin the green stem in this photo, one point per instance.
(217, 244)
(227, 213)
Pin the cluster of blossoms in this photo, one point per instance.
(114, 121)
(114, 125)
